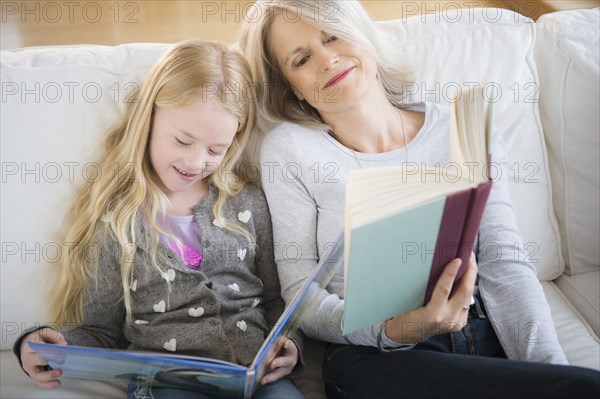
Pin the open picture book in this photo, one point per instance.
(215, 378)
(404, 224)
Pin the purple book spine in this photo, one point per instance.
(458, 229)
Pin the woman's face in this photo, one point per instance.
(329, 73)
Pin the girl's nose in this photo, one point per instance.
(195, 162)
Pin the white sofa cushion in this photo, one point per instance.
(574, 334)
(568, 59)
(582, 291)
(493, 47)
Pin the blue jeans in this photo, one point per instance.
(281, 389)
(466, 364)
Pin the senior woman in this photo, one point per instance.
(339, 90)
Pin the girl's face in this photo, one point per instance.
(187, 144)
(329, 73)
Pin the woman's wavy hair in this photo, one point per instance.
(345, 19)
(114, 203)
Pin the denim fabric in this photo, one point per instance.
(280, 389)
(476, 338)
(466, 364)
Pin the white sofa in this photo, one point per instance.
(57, 102)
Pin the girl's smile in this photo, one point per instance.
(185, 175)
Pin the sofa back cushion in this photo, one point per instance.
(567, 52)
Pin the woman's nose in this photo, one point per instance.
(329, 59)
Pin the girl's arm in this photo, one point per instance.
(103, 317)
(104, 309)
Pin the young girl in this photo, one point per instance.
(174, 252)
(339, 91)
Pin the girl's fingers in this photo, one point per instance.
(51, 336)
(290, 348)
(274, 376)
(283, 364)
(45, 378)
(280, 367)
(34, 365)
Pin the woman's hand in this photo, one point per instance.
(445, 312)
(34, 365)
(283, 364)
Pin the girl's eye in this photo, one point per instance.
(332, 39)
(181, 142)
(215, 152)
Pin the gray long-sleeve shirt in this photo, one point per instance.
(304, 173)
(224, 310)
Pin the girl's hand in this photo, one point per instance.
(283, 364)
(34, 365)
(444, 312)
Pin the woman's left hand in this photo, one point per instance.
(283, 364)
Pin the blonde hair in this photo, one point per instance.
(342, 18)
(110, 203)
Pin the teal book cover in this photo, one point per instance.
(391, 257)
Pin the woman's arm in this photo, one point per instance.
(295, 213)
(508, 282)
(274, 305)
(298, 219)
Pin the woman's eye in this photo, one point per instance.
(215, 152)
(181, 142)
(301, 61)
(332, 39)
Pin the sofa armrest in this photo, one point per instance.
(567, 52)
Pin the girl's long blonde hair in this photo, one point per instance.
(345, 19)
(110, 203)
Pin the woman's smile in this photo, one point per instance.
(339, 77)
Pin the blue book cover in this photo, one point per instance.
(217, 379)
